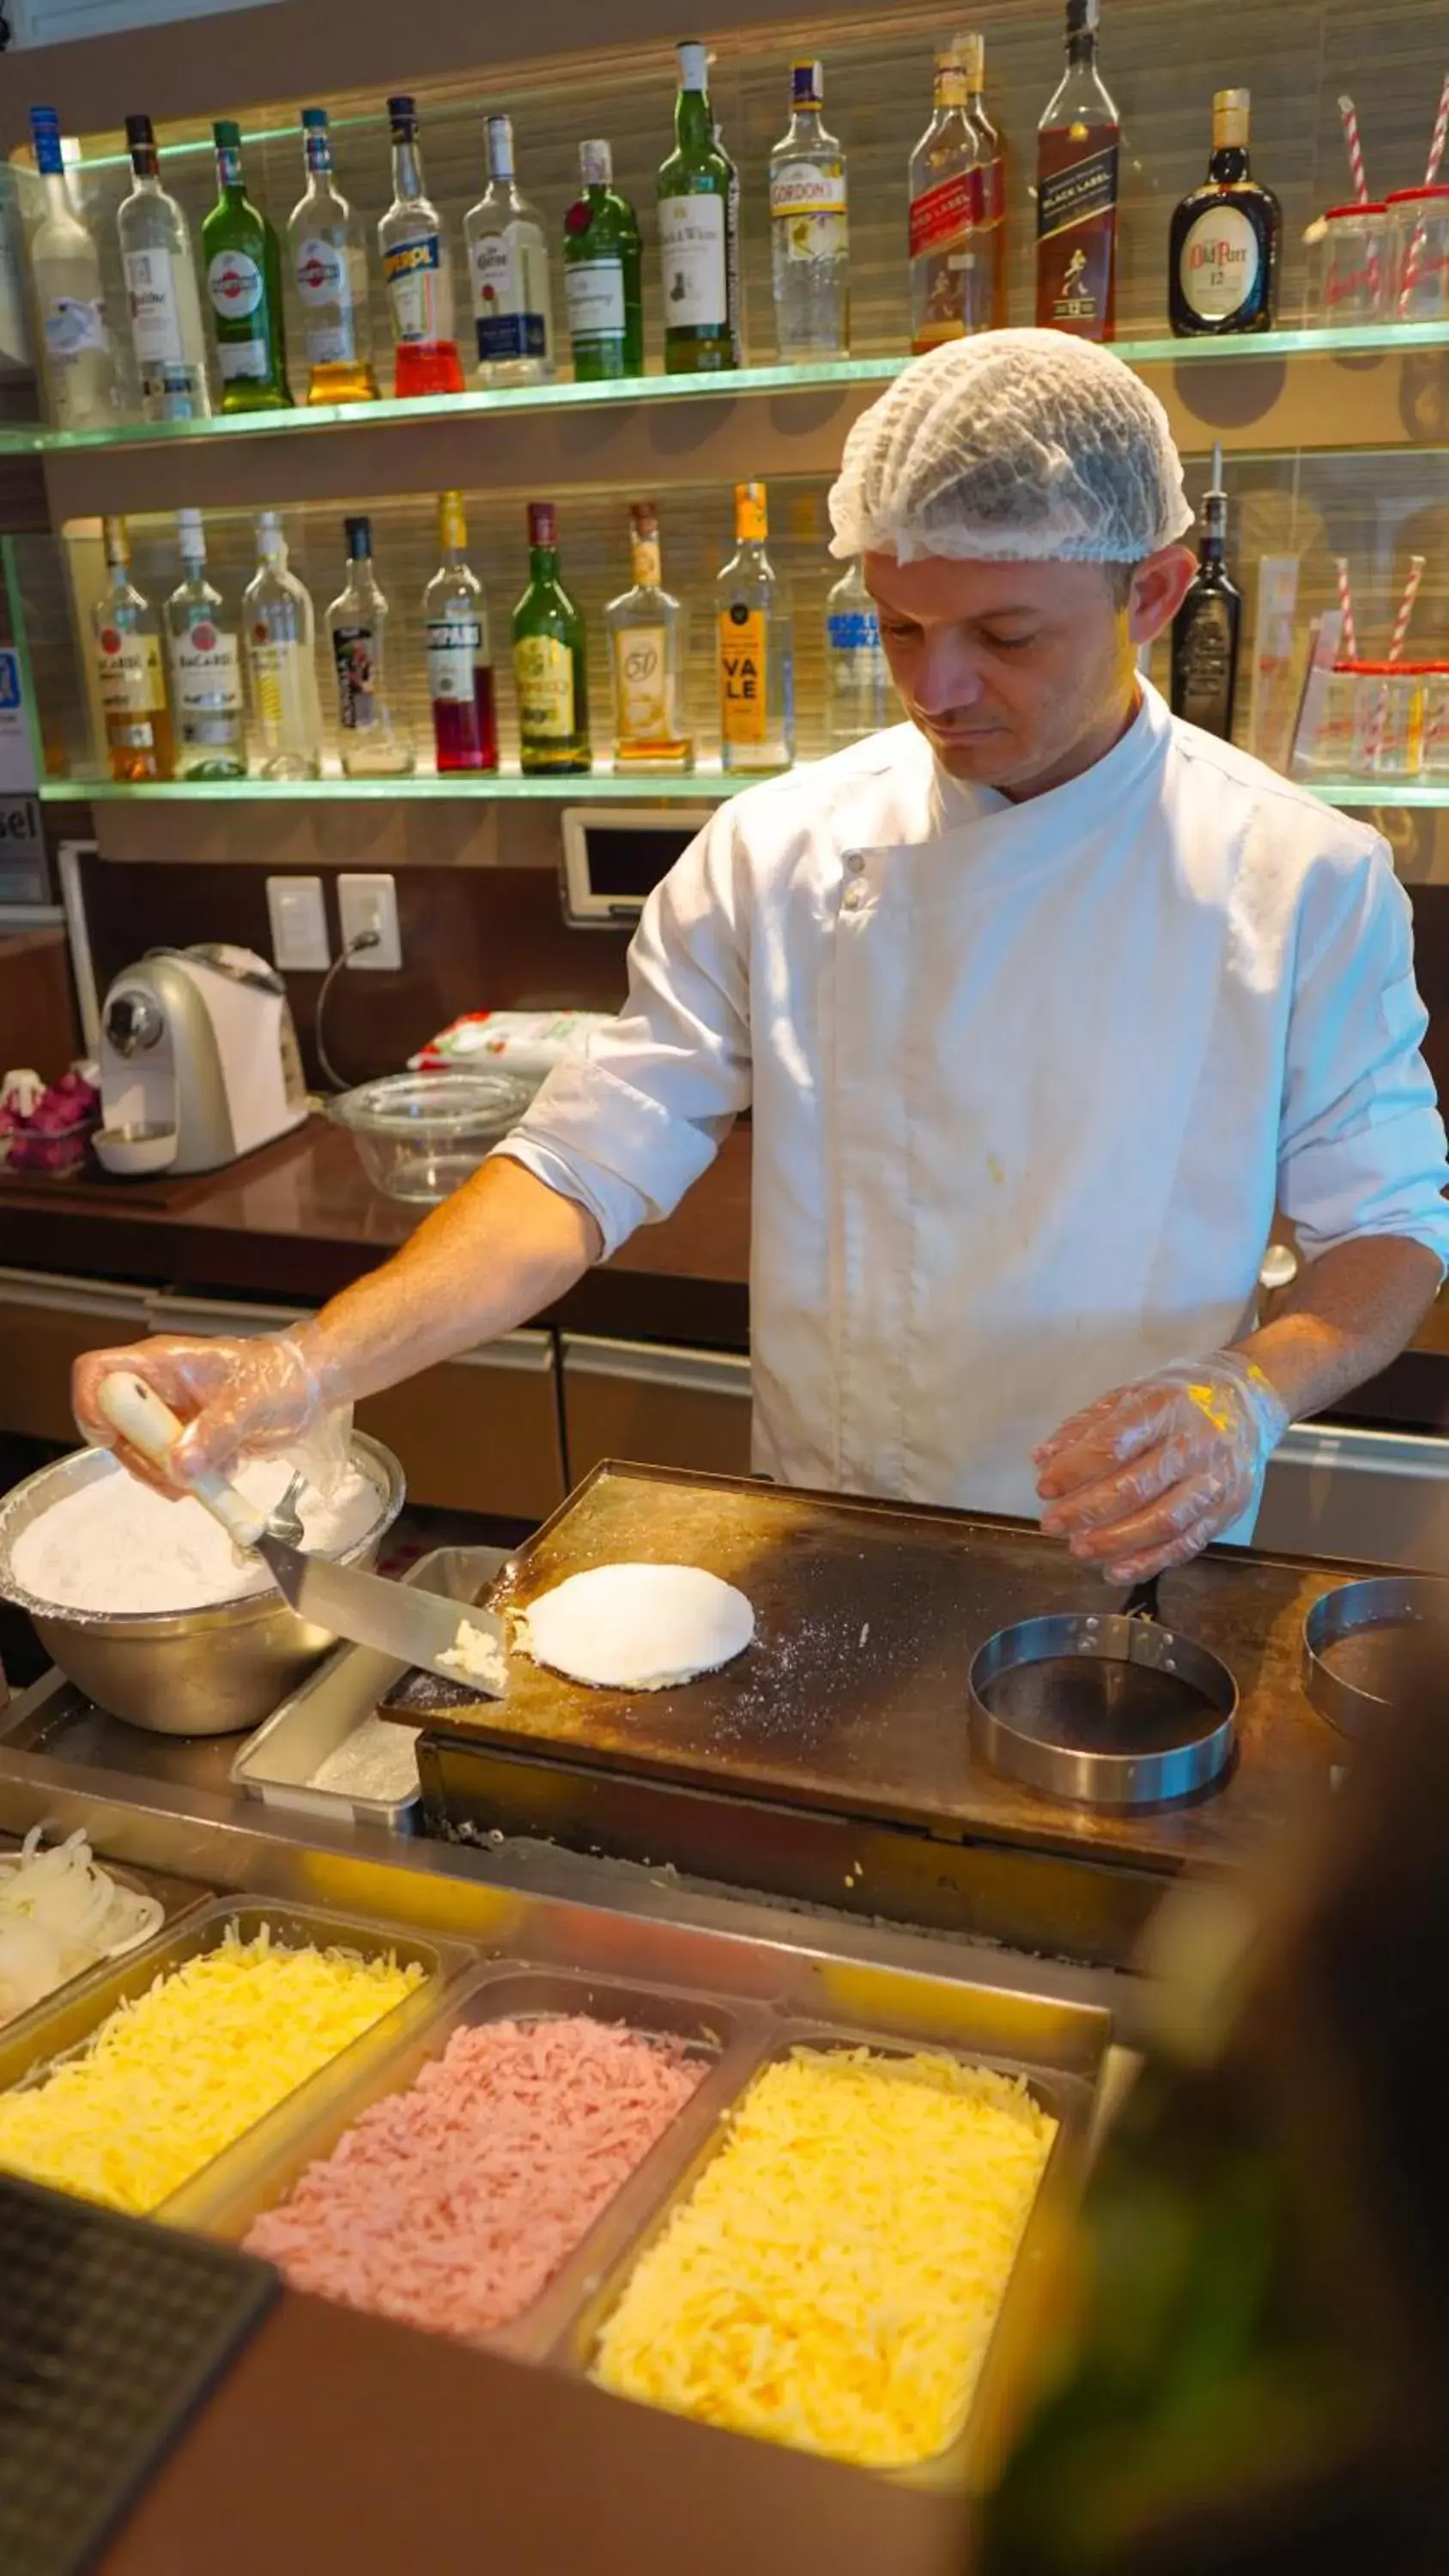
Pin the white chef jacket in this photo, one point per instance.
(1026, 1080)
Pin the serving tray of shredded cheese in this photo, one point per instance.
(150, 2067)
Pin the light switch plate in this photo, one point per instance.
(298, 917)
(370, 903)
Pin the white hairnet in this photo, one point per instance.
(1011, 446)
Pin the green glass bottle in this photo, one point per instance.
(550, 663)
(698, 233)
(602, 262)
(244, 287)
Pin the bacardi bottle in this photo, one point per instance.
(951, 244)
(1206, 629)
(329, 271)
(1224, 243)
(128, 666)
(244, 283)
(417, 271)
(280, 636)
(374, 744)
(65, 271)
(460, 675)
(645, 627)
(550, 660)
(1078, 146)
(161, 291)
(756, 658)
(698, 233)
(205, 657)
(809, 228)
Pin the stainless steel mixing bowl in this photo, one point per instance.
(196, 1672)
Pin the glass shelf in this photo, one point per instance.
(1379, 791)
(587, 787)
(1376, 339)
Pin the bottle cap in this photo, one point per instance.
(596, 163)
(403, 115)
(1230, 116)
(452, 526)
(359, 537)
(807, 84)
(140, 134)
(542, 523)
(644, 518)
(314, 120)
(970, 50)
(693, 65)
(751, 517)
(45, 135)
(191, 536)
(1083, 17)
(117, 541)
(499, 130)
(227, 134)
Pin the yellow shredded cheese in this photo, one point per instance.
(834, 2277)
(171, 2078)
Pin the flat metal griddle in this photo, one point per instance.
(853, 1698)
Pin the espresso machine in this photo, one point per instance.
(199, 1061)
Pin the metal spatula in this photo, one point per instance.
(412, 1627)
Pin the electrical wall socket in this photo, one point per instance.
(370, 903)
(298, 917)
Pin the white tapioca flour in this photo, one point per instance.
(116, 1545)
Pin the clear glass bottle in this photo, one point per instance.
(161, 290)
(374, 744)
(809, 228)
(857, 675)
(550, 660)
(1078, 149)
(205, 659)
(417, 270)
(127, 636)
(65, 272)
(244, 284)
(603, 261)
(646, 658)
(756, 656)
(460, 673)
(950, 242)
(508, 271)
(329, 270)
(698, 233)
(280, 634)
(972, 48)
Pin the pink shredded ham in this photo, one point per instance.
(450, 2206)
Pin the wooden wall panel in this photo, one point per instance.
(38, 1022)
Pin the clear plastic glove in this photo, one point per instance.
(1149, 1474)
(236, 1398)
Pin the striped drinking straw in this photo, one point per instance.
(1359, 176)
(1436, 155)
(1349, 638)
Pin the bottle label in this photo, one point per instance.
(507, 299)
(74, 328)
(807, 206)
(354, 649)
(853, 630)
(543, 668)
(324, 286)
(743, 643)
(155, 311)
(1076, 233)
(692, 256)
(129, 669)
(413, 273)
(943, 214)
(1219, 263)
(1075, 193)
(455, 649)
(646, 562)
(278, 672)
(595, 292)
(234, 283)
(641, 683)
(205, 671)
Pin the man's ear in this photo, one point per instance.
(1159, 584)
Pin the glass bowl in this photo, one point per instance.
(420, 1134)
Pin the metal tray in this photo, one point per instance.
(279, 1762)
(65, 2024)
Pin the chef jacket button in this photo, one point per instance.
(853, 899)
(854, 864)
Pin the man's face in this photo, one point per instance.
(1019, 674)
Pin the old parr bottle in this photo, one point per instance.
(1223, 254)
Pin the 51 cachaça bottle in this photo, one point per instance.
(417, 271)
(329, 270)
(128, 667)
(1078, 147)
(373, 742)
(645, 627)
(162, 296)
(244, 283)
(1225, 237)
(755, 644)
(205, 658)
(550, 663)
(508, 266)
(460, 676)
(602, 274)
(65, 269)
(698, 233)
(809, 228)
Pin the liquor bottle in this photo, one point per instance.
(373, 743)
(1206, 628)
(950, 243)
(646, 631)
(280, 639)
(65, 271)
(1225, 239)
(205, 658)
(329, 270)
(508, 266)
(602, 274)
(857, 675)
(756, 659)
(417, 271)
(993, 173)
(1078, 144)
(128, 665)
(460, 674)
(809, 228)
(244, 282)
(550, 666)
(698, 233)
(161, 290)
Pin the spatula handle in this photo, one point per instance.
(140, 1415)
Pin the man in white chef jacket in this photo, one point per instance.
(1039, 999)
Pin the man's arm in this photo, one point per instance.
(1346, 1316)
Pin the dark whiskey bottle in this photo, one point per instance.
(1205, 629)
(1078, 144)
(1224, 243)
